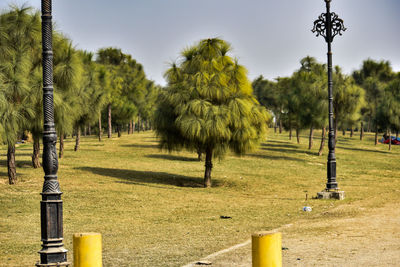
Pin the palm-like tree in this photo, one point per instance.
(19, 36)
(103, 77)
(311, 80)
(67, 79)
(90, 94)
(209, 105)
(110, 58)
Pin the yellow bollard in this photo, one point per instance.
(267, 249)
(87, 250)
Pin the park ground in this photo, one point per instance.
(371, 238)
(151, 208)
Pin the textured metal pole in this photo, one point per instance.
(53, 252)
(331, 172)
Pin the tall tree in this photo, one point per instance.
(268, 94)
(111, 58)
(68, 70)
(309, 83)
(348, 100)
(209, 105)
(372, 77)
(104, 85)
(388, 112)
(19, 35)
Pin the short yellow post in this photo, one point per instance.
(87, 250)
(267, 249)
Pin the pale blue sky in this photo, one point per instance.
(269, 37)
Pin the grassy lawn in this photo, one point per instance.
(150, 206)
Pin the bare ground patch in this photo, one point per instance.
(371, 238)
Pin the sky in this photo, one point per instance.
(269, 37)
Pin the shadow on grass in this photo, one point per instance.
(149, 177)
(18, 163)
(22, 155)
(362, 150)
(99, 144)
(281, 149)
(141, 146)
(171, 157)
(274, 157)
(282, 145)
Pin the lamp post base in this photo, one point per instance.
(327, 194)
(56, 264)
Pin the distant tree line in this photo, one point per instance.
(366, 100)
(109, 88)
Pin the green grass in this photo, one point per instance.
(150, 206)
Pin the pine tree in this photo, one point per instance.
(19, 35)
(208, 105)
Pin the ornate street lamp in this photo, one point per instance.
(329, 25)
(53, 252)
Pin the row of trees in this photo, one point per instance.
(208, 105)
(367, 99)
(86, 87)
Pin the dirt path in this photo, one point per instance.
(369, 239)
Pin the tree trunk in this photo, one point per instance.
(100, 130)
(310, 142)
(119, 131)
(335, 129)
(321, 147)
(362, 131)
(290, 129)
(138, 123)
(199, 154)
(280, 126)
(89, 130)
(369, 124)
(130, 127)
(208, 165)
(109, 121)
(12, 172)
(390, 139)
(84, 130)
(351, 132)
(336, 137)
(133, 126)
(61, 152)
(275, 126)
(376, 136)
(36, 152)
(298, 135)
(78, 138)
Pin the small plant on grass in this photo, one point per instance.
(209, 106)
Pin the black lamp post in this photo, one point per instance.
(53, 252)
(329, 25)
